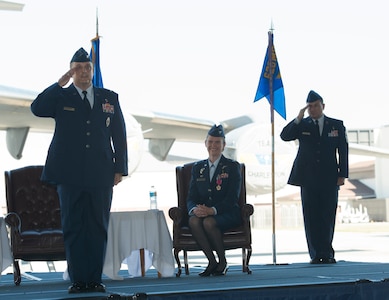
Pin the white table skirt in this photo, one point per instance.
(5, 250)
(133, 262)
(131, 231)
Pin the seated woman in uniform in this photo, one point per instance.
(213, 201)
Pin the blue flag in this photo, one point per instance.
(95, 56)
(271, 71)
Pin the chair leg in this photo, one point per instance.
(17, 276)
(244, 260)
(246, 255)
(186, 262)
(176, 252)
(51, 266)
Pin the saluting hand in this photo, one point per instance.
(302, 112)
(66, 77)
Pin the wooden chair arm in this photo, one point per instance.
(13, 220)
(247, 211)
(176, 213)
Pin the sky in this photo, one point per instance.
(203, 58)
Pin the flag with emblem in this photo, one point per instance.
(270, 83)
(95, 57)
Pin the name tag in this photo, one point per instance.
(200, 179)
(69, 108)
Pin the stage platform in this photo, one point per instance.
(297, 281)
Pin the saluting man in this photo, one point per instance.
(213, 201)
(86, 158)
(320, 167)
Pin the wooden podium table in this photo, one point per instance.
(134, 231)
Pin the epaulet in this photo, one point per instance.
(106, 90)
(231, 160)
(200, 162)
(333, 119)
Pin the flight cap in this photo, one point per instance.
(216, 131)
(313, 96)
(81, 56)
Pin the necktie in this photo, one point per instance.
(317, 127)
(86, 101)
(211, 171)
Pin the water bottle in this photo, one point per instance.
(153, 198)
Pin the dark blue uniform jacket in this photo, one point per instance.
(87, 148)
(320, 159)
(222, 192)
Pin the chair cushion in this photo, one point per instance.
(234, 238)
(39, 245)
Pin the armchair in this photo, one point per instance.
(34, 218)
(239, 237)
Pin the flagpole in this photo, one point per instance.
(97, 22)
(95, 56)
(271, 70)
(270, 86)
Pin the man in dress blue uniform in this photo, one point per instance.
(86, 158)
(320, 167)
(213, 201)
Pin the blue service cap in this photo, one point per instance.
(81, 56)
(313, 96)
(216, 131)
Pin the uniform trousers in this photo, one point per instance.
(319, 211)
(85, 217)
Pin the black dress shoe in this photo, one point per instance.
(208, 270)
(316, 261)
(328, 261)
(96, 287)
(220, 272)
(78, 287)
